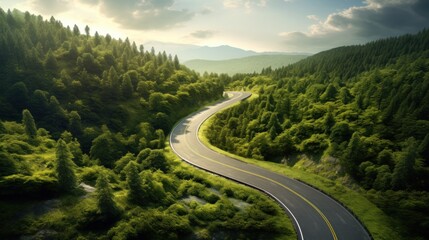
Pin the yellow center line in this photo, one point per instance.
(271, 180)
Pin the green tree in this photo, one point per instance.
(329, 94)
(76, 30)
(385, 157)
(107, 148)
(64, 168)
(136, 193)
(176, 62)
(156, 160)
(75, 124)
(404, 170)
(329, 121)
(17, 96)
(161, 138)
(127, 87)
(50, 61)
(87, 31)
(384, 178)
(352, 155)
(29, 124)
(345, 95)
(39, 103)
(105, 199)
(340, 132)
(97, 39)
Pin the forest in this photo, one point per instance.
(83, 155)
(358, 113)
(84, 120)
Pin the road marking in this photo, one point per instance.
(273, 181)
(257, 175)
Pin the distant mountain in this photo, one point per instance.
(187, 52)
(244, 65)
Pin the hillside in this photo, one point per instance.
(249, 64)
(189, 52)
(356, 114)
(83, 125)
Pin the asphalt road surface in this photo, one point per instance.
(315, 215)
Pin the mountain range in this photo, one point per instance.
(187, 52)
(250, 64)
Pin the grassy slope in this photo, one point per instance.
(378, 224)
(243, 65)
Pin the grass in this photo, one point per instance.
(374, 219)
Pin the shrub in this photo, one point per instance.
(36, 186)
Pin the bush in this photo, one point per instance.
(36, 186)
(156, 160)
(18, 147)
(151, 224)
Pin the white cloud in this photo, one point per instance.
(246, 4)
(376, 19)
(148, 14)
(202, 34)
(50, 7)
(313, 17)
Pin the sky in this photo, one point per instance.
(261, 25)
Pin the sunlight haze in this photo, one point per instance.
(259, 25)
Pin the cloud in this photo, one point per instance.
(206, 11)
(202, 34)
(246, 4)
(50, 7)
(146, 14)
(376, 19)
(313, 17)
(90, 2)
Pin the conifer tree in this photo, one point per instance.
(105, 202)
(127, 86)
(404, 169)
(65, 173)
(176, 62)
(136, 192)
(76, 30)
(75, 125)
(29, 124)
(351, 160)
(87, 31)
(50, 61)
(97, 39)
(329, 121)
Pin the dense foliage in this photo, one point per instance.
(80, 111)
(365, 108)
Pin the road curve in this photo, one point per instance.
(315, 215)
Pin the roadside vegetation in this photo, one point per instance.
(355, 117)
(83, 125)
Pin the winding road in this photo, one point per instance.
(315, 215)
